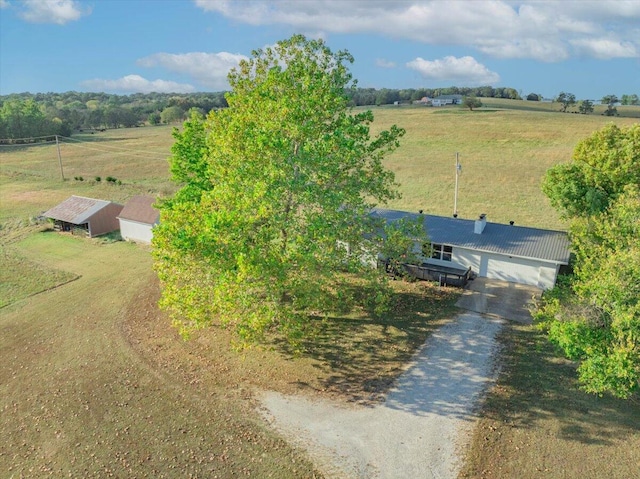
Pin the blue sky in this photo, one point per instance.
(589, 48)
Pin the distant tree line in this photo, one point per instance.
(28, 115)
(568, 100)
(387, 96)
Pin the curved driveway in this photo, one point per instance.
(423, 425)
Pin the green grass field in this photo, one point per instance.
(504, 156)
(94, 382)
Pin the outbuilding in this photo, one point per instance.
(137, 219)
(512, 253)
(85, 216)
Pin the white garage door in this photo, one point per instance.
(511, 269)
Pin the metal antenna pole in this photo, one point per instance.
(59, 158)
(455, 196)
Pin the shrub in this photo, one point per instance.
(98, 179)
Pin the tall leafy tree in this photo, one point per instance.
(603, 164)
(274, 209)
(586, 107)
(609, 100)
(630, 99)
(566, 100)
(471, 102)
(172, 114)
(595, 316)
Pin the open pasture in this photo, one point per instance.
(504, 155)
(31, 177)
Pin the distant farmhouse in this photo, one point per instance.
(137, 219)
(88, 215)
(506, 252)
(443, 100)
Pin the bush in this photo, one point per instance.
(78, 178)
(98, 179)
(111, 179)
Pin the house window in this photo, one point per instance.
(441, 252)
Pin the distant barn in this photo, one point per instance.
(88, 215)
(137, 219)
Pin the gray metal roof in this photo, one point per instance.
(76, 210)
(520, 241)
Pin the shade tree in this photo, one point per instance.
(594, 315)
(272, 215)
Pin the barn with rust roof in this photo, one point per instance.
(137, 219)
(85, 215)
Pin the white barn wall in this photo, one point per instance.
(134, 231)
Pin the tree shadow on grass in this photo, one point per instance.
(538, 385)
(360, 356)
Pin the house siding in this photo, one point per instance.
(134, 231)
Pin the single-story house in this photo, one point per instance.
(447, 100)
(94, 217)
(137, 219)
(512, 253)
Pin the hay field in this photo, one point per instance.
(504, 156)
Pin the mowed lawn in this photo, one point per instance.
(536, 423)
(78, 401)
(94, 381)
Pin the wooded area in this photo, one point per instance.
(25, 116)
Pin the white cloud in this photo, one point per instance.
(604, 48)
(52, 11)
(209, 69)
(382, 63)
(462, 71)
(4, 4)
(137, 84)
(550, 30)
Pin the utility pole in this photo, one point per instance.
(59, 158)
(455, 195)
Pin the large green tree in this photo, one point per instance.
(566, 100)
(471, 102)
(26, 119)
(586, 107)
(273, 213)
(595, 315)
(603, 164)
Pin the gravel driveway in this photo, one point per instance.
(421, 429)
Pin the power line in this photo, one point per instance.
(78, 143)
(107, 148)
